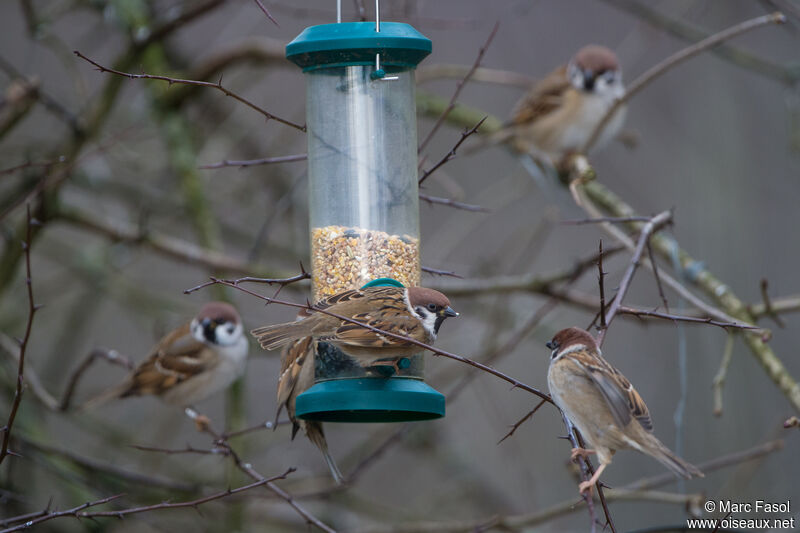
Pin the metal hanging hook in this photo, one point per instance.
(379, 74)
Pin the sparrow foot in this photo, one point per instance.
(586, 486)
(580, 452)
(201, 422)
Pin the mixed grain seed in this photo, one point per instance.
(345, 258)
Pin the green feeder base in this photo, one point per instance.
(370, 400)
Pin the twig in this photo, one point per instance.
(657, 277)
(94, 466)
(217, 85)
(437, 272)
(521, 421)
(32, 164)
(768, 311)
(436, 351)
(452, 153)
(784, 74)
(220, 440)
(269, 281)
(78, 512)
(717, 463)
(586, 470)
(460, 86)
(11, 346)
(598, 220)
(48, 515)
(731, 307)
(112, 356)
(266, 12)
(23, 345)
(635, 311)
(641, 82)
(600, 280)
(180, 451)
(719, 378)
(654, 223)
(452, 203)
(167, 245)
(253, 162)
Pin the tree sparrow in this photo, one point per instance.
(603, 405)
(297, 375)
(190, 363)
(560, 113)
(413, 312)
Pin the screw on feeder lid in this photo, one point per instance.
(357, 43)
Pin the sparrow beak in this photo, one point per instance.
(588, 80)
(448, 311)
(551, 345)
(209, 327)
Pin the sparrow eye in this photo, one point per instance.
(432, 307)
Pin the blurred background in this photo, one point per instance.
(111, 167)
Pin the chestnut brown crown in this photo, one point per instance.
(218, 312)
(572, 336)
(596, 58)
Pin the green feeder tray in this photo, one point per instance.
(367, 399)
(370, 400)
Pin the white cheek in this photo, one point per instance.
(197, 331)
(227, 338)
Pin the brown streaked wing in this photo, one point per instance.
(542, 99)
(177, 357)
(292, 360)
(622, 399)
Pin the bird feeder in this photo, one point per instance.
(363, 203)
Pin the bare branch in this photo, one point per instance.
(266, 12)
(459, 87)
(112, 356)
(452, 153)
(521, 421)
(437, 272)
(253, 162)
(248, 279)
(78, 511)
(719, 378)
(452, 203)
(635, 311)
(642, 81)
(217, 86)
(647, 230)
(23, 345)
(768, 310)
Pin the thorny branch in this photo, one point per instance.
(112, 356)
(23, 344)
(436, 351)
(651, 226)
(459, 87)
(78, 512)
(452, 153)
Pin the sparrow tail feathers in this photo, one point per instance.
(271, 337)
(315, 435)
(682, 468)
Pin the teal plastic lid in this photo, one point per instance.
(383, 282)
(356, 43)
(370, 400)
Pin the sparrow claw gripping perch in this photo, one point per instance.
(580, 452)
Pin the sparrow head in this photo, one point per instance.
(432, 307)
(217, 323)
(595, 69)
(571, 339)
